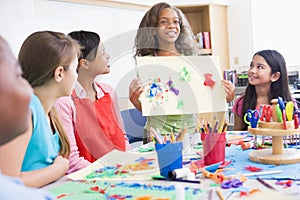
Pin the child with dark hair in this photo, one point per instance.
(268, 79)
(164, 31)
(91, 116)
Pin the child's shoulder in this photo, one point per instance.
(106, 87)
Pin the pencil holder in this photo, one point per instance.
(213, 147)
(169, 157)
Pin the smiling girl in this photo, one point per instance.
(268, 79)
(164, 31)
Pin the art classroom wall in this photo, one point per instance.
(116, 27)
(263, 24)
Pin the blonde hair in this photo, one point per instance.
(39, 56)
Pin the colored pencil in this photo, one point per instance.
(221, 196)
(155, 134)
(210, 194)
(265, 183)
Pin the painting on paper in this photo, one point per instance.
(175, 85)
(118, 165)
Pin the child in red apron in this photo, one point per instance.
(91, 116)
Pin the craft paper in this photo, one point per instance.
(177, 85)
(128, 161)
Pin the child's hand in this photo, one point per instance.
(62, 163)
(135, 90)
(229, 89)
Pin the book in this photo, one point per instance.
(231, 75)
(206, 40)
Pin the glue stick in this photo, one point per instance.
(178, 173)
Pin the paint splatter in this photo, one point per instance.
(180, 105)
(157, 92)
(185, 74)
(122, 170)
(171, 84)
(208, 80)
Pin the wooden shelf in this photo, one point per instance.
(205, 51)
(211, 18)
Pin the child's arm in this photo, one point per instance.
(42, 177)
(66, 111)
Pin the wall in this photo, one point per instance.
(253, 25)
(263, 24)
(117, 27)
(240, 34)
(275, 27)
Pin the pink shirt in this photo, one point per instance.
(238, 106)
(67, 112)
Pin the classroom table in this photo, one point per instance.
(278, 191)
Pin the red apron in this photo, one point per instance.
(97, 130)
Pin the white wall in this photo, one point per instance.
(276, 26)
(116, 27)
(264, 24)
(240, 33)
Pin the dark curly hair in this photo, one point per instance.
(146, 42)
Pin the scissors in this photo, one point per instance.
(251, 118)
(296, 115)
(266, 113)
(234, 183)
(282, 108)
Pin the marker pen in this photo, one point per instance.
(178, 173)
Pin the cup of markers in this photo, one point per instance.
(169, 151)
(169, 157)
(213, 147)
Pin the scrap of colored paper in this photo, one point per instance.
(253, 169)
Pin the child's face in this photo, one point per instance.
(168, 27)
(101, 63)
(259, 72)
(15, 96)
(71, 76)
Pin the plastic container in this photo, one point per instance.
(169, 157)
(213, 147)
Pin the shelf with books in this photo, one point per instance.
(212, 19)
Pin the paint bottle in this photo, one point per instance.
(178, 173)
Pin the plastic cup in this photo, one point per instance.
(169, 157)
(213, 147)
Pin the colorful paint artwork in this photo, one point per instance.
(181, 85)
(105, 190)
(118, 165)
(122, 171)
